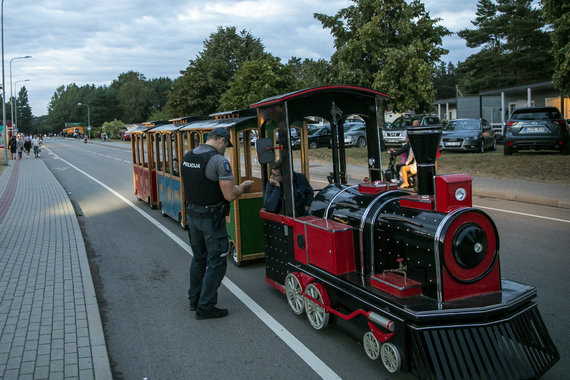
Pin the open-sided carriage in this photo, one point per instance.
(144, 167)
(418, 275)
(243, 223)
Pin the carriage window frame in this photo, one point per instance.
(174, 154)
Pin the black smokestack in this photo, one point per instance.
(424, 142)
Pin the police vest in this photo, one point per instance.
(198, 189)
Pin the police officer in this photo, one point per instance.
(209, 187)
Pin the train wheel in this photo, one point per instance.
(390, 357)
(294, 293)
(371, 345)
(316, 314)
(232, 252)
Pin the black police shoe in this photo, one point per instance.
(193, 307)
(215, 313)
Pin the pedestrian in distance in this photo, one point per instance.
(13, 145)
(20, 147)
(209, 188)
(27, 146)
(36, 145)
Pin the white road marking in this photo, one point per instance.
(524, 214)
(289, 339)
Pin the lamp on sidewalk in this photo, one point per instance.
(11, 94)
(15, 126)
(88, 117)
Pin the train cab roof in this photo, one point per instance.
(320, 97)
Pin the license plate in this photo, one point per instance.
(453, 143)
(534, 130)
(391, 140)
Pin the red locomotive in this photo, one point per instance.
(419, 274)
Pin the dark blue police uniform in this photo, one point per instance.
(207, 210)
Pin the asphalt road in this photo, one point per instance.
(140, 263)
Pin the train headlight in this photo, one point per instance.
(469, 245)
(460, 194)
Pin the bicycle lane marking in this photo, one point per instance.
(288, 338)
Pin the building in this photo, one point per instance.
(490, 104)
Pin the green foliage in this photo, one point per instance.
(135, 96)
(445, 80)
(112, 128)
(310, 73)
(206, 79)
(557, 14)
(130, 97)
(515, 48)
(389, 45)
(256, 80)
(161, 115)
(23, 111)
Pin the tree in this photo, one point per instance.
(204, 81)
(310, 73)
(514, 47)
(256, 80)
(112, 127)
(135, 96)
(557, 14)
(23, 111)
(161, 88)
(445, 81)
(389, 45)
(63, 105)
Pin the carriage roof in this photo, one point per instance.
(226, 123)
(166, 128)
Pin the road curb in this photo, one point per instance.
(523, 198)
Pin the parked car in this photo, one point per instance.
(126, 136)
(395, 133)
(468, 135)
(355, 135)
(319, 137)
(536, 128)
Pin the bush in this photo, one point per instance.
(111, 128)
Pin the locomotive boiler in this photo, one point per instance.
(419, 274)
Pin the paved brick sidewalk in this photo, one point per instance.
(50, 326)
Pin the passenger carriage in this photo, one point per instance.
(144, 168)
(417, 276)
(167, 147)
(243, 223)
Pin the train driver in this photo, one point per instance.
(273, 198)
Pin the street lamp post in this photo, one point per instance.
(11, 94)
(15, 126)
(3, 89)
(88, 118)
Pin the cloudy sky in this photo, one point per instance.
(92, 42)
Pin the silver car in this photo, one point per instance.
(355, 136)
